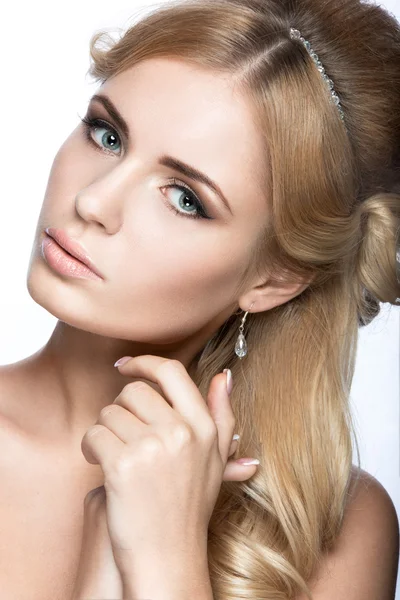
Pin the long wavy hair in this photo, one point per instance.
(333, 196)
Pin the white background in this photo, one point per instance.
(44, 57)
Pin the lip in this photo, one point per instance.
(73, 248)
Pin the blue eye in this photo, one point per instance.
(95, 124)
(187, 196)
(110, 137)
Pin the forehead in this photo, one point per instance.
(196, 115)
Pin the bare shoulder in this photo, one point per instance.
(364, 561)
(15, 386)
(8, 389)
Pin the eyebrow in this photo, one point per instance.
(165, 160)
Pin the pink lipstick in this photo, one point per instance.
(67, 256)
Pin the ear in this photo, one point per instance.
(268, 294)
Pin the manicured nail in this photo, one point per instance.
(248, 461)
(122, 361)
(235, 437)
(229, 382)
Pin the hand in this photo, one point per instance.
(98, 575)
(164, 457)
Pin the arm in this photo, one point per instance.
(166, 579)
(364, 562)
(362, 565)
(98, 575)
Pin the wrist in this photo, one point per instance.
(168, 581)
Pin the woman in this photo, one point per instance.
(232, 192)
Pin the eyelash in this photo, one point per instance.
(91, 124)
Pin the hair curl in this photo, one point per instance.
(334, 201)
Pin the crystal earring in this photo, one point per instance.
(241, 344)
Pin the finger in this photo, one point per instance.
(220, 408)
(233, 447)
(175, 383)
(145, 403)
(125, 425)
(236, 472)
(101, 446)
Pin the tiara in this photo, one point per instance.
(296, 35)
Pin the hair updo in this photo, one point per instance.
(334, 214)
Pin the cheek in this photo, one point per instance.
(195, 262)
(182, 282)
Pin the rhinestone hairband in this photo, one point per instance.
(296, 35)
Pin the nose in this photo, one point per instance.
(103, 199)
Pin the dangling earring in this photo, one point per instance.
(241, 344)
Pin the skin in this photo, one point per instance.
(169, 281)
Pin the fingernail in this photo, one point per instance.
(235, 437)
(122, 361)
(248, 461)
(229, 382)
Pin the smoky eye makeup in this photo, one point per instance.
(92, 123)
(175, 164)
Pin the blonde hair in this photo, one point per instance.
(334, 206)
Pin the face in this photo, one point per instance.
(171, 252)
